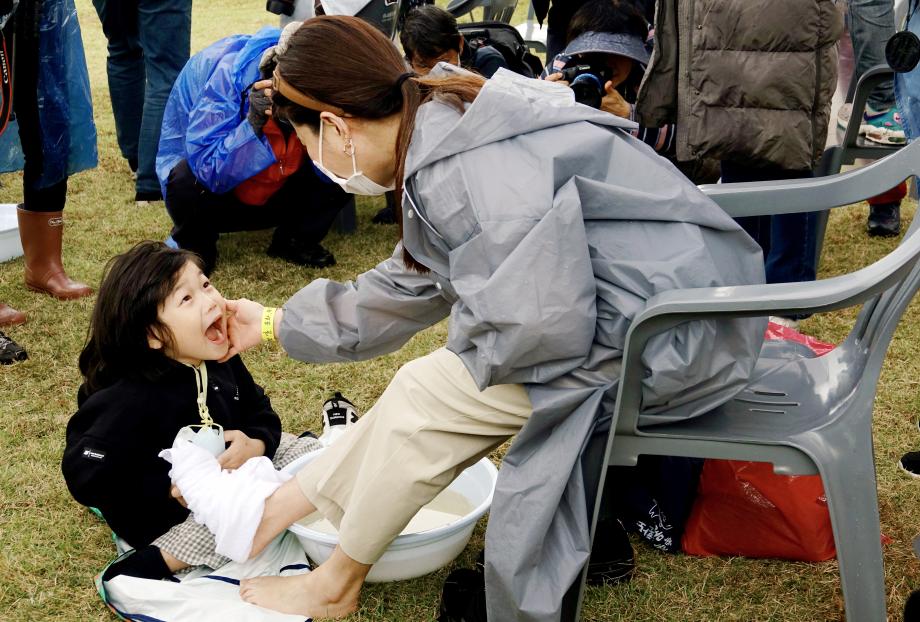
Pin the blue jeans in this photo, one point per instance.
(789, 241)
(148, 45)
(871, 24)
(907, 85)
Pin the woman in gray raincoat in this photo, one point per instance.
(540, 229)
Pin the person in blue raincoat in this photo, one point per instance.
(540, 228)
(225, 164)
(46, 131)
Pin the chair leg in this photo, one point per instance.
(850, 487)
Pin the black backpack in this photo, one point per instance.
(507, 40)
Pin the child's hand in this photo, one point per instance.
(176, 494)
(244, 326)
(241, 449)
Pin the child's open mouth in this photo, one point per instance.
(217, 331)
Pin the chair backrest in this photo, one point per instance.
(886, 287)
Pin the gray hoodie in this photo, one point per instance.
(546, 228)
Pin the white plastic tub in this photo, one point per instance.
(10, 245)
(414, 554)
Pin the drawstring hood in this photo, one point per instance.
(201, 381)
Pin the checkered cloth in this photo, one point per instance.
(193, 544)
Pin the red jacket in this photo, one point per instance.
(259, 188)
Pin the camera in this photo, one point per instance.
(280, 7)
(586, 78)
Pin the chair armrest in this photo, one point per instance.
(672, 308)
(807, 195)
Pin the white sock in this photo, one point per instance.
(229, 503)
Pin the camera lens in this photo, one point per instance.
(588, 90)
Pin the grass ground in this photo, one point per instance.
(50, 547)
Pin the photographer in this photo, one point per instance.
(225, 165)
(430, 36)
(604, 61)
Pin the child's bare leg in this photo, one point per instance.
(174, 564)
(329, 591)
(285, 506)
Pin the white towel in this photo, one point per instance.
(229, 503)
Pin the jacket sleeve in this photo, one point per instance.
(96, 458)
(489, 60)
(329, 322)
(261, 421)
(527, 291)
(222, 148)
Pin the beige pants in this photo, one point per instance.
(430, 424)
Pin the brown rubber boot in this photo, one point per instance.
(41, 234)
(10, 316)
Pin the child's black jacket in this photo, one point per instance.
(110, 459)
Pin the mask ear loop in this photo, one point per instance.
(349, 149)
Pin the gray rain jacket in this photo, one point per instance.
(546, 229)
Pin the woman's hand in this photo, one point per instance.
(244, 326)
(614, 103)
(260, 105)
(241, 449)
(557, 78)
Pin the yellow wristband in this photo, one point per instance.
(268, 323)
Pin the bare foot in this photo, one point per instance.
(305, 595)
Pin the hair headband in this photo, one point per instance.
(280, 85)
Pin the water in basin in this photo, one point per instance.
(446, 508)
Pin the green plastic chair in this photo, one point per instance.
(807, 416)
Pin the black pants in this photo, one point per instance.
(303, 210)
(25, 106)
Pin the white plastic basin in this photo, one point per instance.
(10, 245)
(413, 554)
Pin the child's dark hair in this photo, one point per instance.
(134, 287)
(428, 32)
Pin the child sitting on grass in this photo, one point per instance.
(150, 368)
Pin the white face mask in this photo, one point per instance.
(358, 183)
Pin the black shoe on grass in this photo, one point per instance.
(912, 607)
(386, 216)
(910, 463)
(310, 255)
(10, 351)
(146, 197)
(884, 220)
(612, 560)
(463, 598)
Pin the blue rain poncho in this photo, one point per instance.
(205, 117)
(65, 105)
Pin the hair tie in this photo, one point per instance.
(403, 78)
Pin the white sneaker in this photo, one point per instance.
(338, 415)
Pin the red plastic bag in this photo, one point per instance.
(744, 508)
